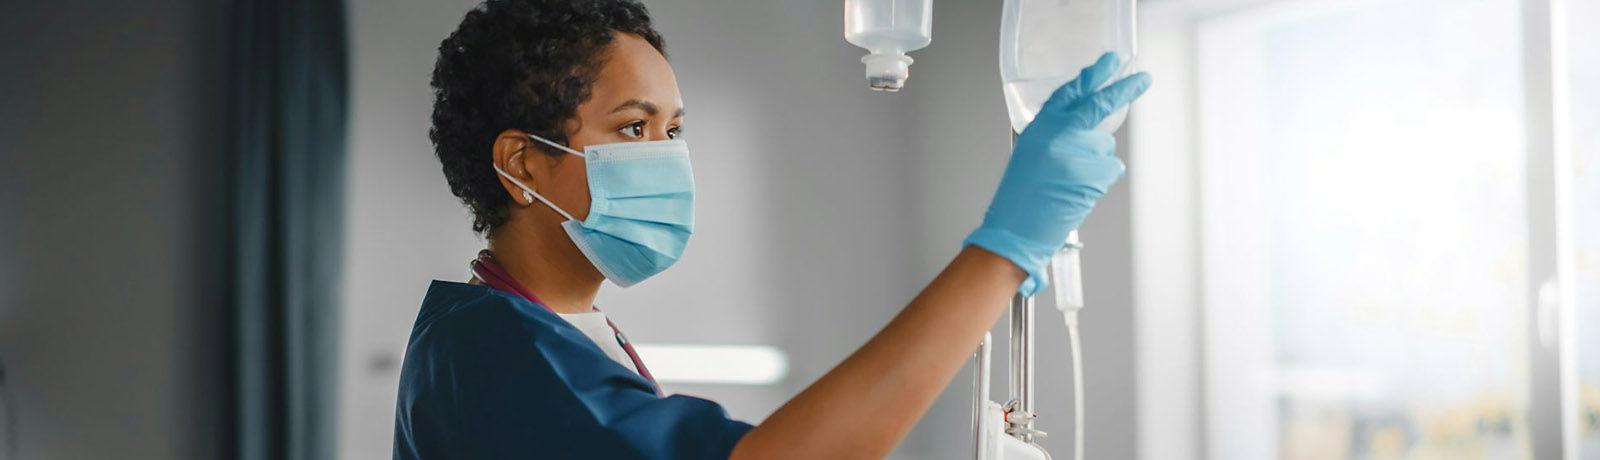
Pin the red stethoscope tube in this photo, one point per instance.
(492, 274)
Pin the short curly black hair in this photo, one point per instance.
(522, 64)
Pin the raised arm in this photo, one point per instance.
(1059, 166)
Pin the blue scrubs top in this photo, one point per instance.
(490, 375)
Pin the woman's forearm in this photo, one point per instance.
(864, 406)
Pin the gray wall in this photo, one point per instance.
(823, 208)
(804, 234)
(109, 117)
(962, 140)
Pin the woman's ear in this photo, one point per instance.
(511, 158)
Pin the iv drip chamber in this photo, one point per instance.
(888, 29)
(1066, 275)
(1045, 43)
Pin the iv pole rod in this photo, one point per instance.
(1022, 346)
(1022, 359)
(1022, 363)
(1021, 355)
(1022, 314)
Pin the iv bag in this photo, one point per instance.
(1045, 43)
(888, 29)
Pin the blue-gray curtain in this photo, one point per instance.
(287, 97)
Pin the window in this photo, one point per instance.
(1364, 230)
(1583, 60)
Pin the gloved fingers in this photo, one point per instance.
(1082, 142)
(1089, 79)
(1116, 170)
(1089, 111)
(1096, 173)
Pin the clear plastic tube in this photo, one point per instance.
(1066, 274)
(1071, 319)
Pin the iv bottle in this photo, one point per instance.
(888, 29)
(1045, 43)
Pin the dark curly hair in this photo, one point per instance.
(523, 64)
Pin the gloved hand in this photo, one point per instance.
(1059, 166)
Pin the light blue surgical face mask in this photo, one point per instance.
(641, 209)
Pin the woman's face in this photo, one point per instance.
(634, 98)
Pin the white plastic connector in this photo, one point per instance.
(887, 71)
(995, 444)
(1066, 271)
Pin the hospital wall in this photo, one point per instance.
(110, 118)
(963, 139)
(823, 207)
(806, 237)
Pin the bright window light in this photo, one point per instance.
(715, 364)
(1365, 229)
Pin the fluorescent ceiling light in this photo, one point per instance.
(715, 364)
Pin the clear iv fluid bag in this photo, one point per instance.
(888, 29)
(1045, 43)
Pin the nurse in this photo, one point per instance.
(556, 122)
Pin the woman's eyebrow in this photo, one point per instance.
(647, 106)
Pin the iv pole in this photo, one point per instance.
(1017, 416)
(1000, 432)
(1020, 396)
(1019, 408)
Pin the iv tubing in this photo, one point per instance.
(1071, 318)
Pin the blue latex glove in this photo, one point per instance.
(1059, 166)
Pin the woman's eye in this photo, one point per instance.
(674, 132)
(634, 130)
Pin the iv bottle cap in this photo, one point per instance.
(887, 72)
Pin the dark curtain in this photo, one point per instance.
(287, 97)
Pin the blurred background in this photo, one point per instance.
(1351, 229)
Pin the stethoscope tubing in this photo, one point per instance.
(486, 269)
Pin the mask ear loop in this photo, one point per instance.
(559, 146)
(528, 192)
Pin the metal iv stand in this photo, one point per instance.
(1019, 408)
(1016, 417)
(1007, 432)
